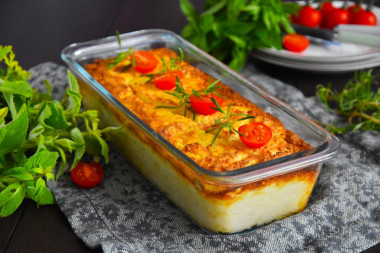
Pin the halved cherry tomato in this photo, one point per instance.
(256, 134)
(308, 16)
(145, 61)
(87, 175)
(363, 17)
(295, 42)
(335, 17)
(203, 105)
(168, 80)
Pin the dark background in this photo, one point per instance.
(40, 29)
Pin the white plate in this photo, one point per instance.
(323, 55)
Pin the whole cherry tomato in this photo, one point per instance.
(87, 175)
(202, 105)
(335, 17)
(308, 16)
(168, 80)
(295, 42)
(256, 134)
(363, 17)
(326, 7)
(144, 61)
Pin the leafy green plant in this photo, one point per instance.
(36, 132)
(230, 29)
(358, 102)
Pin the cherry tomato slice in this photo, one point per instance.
(145, 61)
(256, 134)
(87, 175)
(295, 42)
(168, 80)
(308, 16)
(203, 105)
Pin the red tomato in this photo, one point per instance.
(326, 7)
(335, 17)
(87, 175)
(145, 61)
(203, 105)
(308, 16)
(293, 19)
(168, 80)
(256, 134)
(295, 42)
(355, 8)
(363, 17)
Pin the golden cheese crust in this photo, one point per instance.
(140, 95)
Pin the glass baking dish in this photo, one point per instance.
(219, 202)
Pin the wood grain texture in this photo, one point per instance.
(44, 229)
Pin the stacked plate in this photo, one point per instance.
(325, 56)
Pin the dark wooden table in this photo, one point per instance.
(39, 30)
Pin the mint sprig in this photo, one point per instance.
(37, 133)
(230, 29)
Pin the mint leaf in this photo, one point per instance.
(20, 173)
(44, 159)
(77, 136)
(39, 192)
(13, 134)
(56, 120)
(3, 114)
(17, 87)
(74, 98)
(11, 198)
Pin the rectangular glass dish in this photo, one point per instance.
(218, 201)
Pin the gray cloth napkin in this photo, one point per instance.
(126, 213)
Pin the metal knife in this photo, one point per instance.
(357, 34)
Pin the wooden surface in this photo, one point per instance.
(39, 30)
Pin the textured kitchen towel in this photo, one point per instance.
(126, 213)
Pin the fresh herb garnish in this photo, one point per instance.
(184, 98)
(35, 131)
(175, 63)
(230, 29)
(209, 89)
(359, 102)
(226, 121)
(121, 56)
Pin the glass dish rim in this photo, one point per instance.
(249, 174)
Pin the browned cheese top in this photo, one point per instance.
(139, 94)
